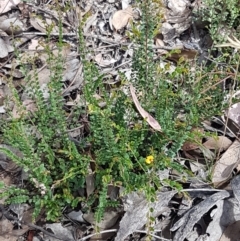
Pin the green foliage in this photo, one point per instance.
(121, 140)
(221, 14)
(13, 194)
(54, 165)
(124, 150)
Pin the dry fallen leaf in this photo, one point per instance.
(220, 218)
(225, 165)
(185, 224)
(89, 22)
(6, 228)
(3, 49)
(159, 43)
(220, 144)
(235, 183)
(6, 5)
(109, 218)
(12, 26)
(41, 25)
(233, 116)
(34, 45)
(150, 120)
(35, 23)
(136, 211)
(90, 184)
(189, 146)
(60, 231)
(232, 232)
(185, 54)
(120, 18)
(104, 62)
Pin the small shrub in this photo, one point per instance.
(221, 16)
(124, 150)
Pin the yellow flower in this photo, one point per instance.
(149, 159)
(90, 108)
